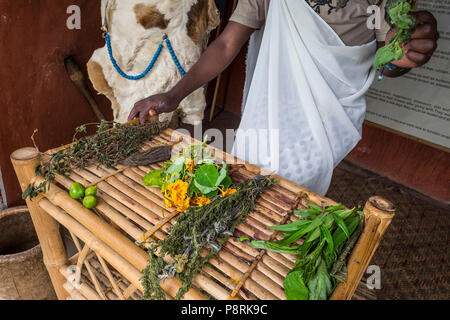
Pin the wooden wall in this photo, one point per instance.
(35, 91)
(404, 160)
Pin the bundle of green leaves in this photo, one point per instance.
(398, 17)
(195, 165)
(329, 235)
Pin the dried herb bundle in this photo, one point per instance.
(106, 147)
(150, 156)
(198, 229)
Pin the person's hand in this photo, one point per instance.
(153, 105)
(423, 43)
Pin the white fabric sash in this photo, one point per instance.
(305, 104)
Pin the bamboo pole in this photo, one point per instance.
(74, 294)
(208, 284)
(84, 289)
(96, 245)
(111, 237)
(60, 198)
(265, 281)
(378, 214)
(25, 162)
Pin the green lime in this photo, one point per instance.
(91, 191)
(89, 202)
(76, 190)
(153, 179)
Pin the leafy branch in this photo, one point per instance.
(106, 147)
(329, 236)
(198, 229)
(398, 17)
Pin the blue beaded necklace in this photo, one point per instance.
(152, 62)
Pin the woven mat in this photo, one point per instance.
(414, 253)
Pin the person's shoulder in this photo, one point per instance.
(251, 13)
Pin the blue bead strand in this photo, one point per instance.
(174, 56)
(119, 70)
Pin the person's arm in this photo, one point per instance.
(214, 60)
(420, 48)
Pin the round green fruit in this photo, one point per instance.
(91, 191)
(90, 202)
(76, 190)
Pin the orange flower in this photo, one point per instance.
(190, 165)
(183, 205)
(200, 201)
(227, 191)
(176, 196)
(167, 201)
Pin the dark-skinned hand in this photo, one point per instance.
(423, 43)
(153, 105)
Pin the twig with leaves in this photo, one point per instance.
(106, 147)
(199, 229)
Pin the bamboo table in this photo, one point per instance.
(109, 260)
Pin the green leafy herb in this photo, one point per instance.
(397, 16)
(153, 179)
(294, 287)
(198, 229)
(321, 257)
(270, 246)
(320, 286)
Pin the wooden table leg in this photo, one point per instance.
(25, 162)
(378, 214)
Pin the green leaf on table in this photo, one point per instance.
(294, 236)
(334, 208)
(339, 236)
(291, 227)
(271, 246)
(153, 179)
(345, 214)
(316, 223)
(325, 233)
(320, 286)
(176, 166)
(306, 212)
(226, 183)
(222, 174)
(316, 208)
(194, 189)
(341, 224)
(205, 179)
(203, 189)
(294, 286)
(207, 175)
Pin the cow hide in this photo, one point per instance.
(136, 28)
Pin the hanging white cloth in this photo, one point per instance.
(305, 104)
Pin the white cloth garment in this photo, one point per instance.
(304, 104)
